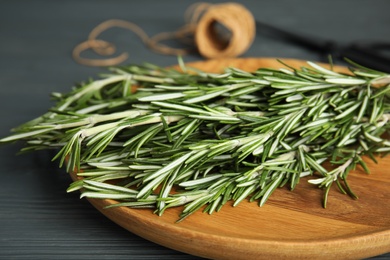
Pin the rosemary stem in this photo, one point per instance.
(94, 119)
(151, 79)
(84, 133)
(97, 129)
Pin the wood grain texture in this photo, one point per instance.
(291, 225)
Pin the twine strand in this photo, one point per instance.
(199, 32)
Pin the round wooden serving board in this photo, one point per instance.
(292, 224)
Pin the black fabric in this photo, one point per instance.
(38, 219)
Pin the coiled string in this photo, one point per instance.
(233, 37)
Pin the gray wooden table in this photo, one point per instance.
(38, 219)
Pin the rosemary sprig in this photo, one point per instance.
(213, 138)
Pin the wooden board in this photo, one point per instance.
(291, 225)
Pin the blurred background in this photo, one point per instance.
(38, 220)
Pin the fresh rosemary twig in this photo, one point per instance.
(213, 137)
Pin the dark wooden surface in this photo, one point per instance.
(38, 219)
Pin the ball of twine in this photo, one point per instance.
(234, 17)
(213, 30)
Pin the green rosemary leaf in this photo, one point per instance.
(244, 194)
(269, 190)
(358, 67)
(281, 169)
(322, 70)
(159, 97)
(200, 181)
(349, 191)
(348, 111)
(185, 108)
(346, 81)
(316, 87)
(382, 92)
(25, 135)
(156, 177)
(326, 194)
(110, 187)
(363, 109)
(315, 165)
(104, 195)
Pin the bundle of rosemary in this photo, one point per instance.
(201, 139)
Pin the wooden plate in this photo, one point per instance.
(291, 224)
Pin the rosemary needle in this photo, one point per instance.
(213, 137)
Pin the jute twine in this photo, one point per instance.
(200, 32)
